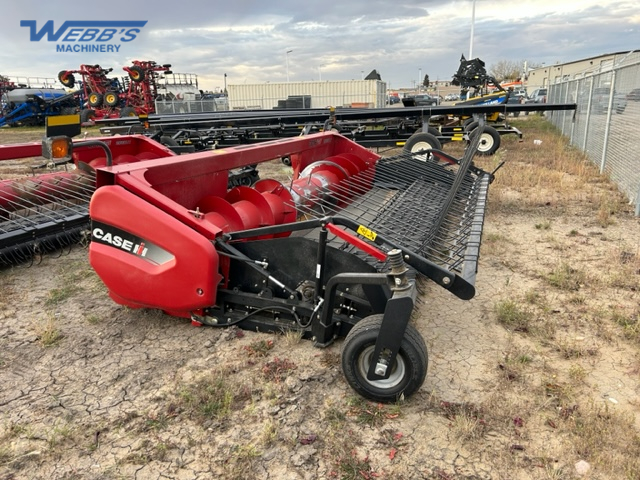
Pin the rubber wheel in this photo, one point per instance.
(422, 141)
(168, 141)
(489, 141)
(87, 115)
(136, 73)
(128, 112)
(66, 79)
(95, 99)
(111, 99)
(68, 111)
(434, 131)
(407, 373)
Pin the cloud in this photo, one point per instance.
(248, 39)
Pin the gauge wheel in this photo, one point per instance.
(489, 140)
(422, 141)
(407, 372)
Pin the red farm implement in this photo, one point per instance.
(112, 97)
(143, 87)
(334, 253)
(101, 93)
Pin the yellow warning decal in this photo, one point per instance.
(366, 233)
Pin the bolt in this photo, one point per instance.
(381, 369)
(199, 291)
(446, 281)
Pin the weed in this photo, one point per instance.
(608, 208)
(577, 373)
(544, 225)
(571, 348)
(467, 421)
(278, 369)
(241, 461)
(514, 316)
(47, 332)
(372, 414)
(629, 323)
(335, 416)
(292, 337)
(57, 295)
(565, 277)
(59, 435)
(156, 421)
(351, 467)
(212, 397)
(607, 439)
(259, 348)
(514, 364)
(269, 432)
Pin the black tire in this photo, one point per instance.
(434, 131)
(68, 111)
(422, 141)
(136, 73)
(86, 115)
(489, 141)
(128, 112)
(467, 122)
(407, 374)
(111, 99)
(66, 79)
(95, 99)
(168, 141)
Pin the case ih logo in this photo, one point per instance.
(86, 36)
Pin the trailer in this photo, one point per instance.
(409, 127)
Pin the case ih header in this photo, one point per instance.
(334, 253)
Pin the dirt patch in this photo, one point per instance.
(538, 372)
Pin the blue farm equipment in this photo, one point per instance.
(30, 106)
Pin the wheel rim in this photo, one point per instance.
(486, 143)
(421, 146)
(111, 98)
(397, 372)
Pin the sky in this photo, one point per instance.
(249, 40)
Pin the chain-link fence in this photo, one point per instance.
(607, 121)
(164, 107)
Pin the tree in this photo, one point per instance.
(425, 82)
(4, 78)
(507, 70)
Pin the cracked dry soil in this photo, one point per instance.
(92, 390)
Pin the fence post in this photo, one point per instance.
(588, 121)
(607, 127)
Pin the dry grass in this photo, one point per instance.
(584, 304)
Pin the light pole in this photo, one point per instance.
(288, 52)
(320, 71)
(419, 79)
(225, 83)
(473, 22)
(361, 74)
